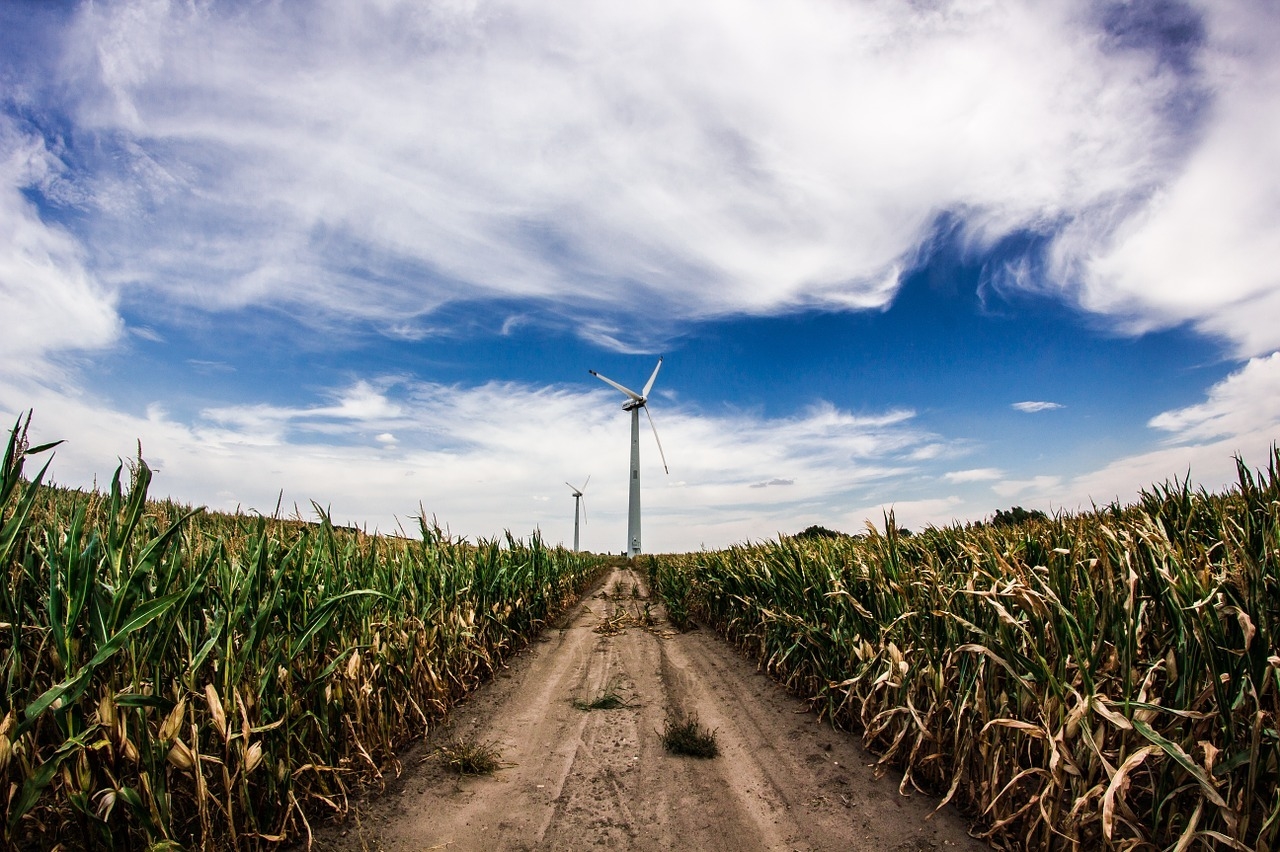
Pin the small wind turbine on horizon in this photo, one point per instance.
(634, 403)
(577, 501)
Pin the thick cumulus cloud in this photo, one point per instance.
(378, 160)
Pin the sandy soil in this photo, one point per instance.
(577, 779)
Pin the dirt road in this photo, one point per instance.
(577, 779)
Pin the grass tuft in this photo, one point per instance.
(470, 757)
(685, 735)
(610, 698)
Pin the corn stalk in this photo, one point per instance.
(179, 678)
(1108, 680)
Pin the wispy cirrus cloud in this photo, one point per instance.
(401, 157)
(361, 406)
(1201, 248)
(49, 297)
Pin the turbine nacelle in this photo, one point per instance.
(577, 492)
(637, 400)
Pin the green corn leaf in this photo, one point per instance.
(35, 785)
(70, 688)
(1182, 759)
(18, 521)
(325, 612)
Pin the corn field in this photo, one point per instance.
(174, 679)
(1107, 680)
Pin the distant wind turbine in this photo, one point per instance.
(577, 500)
(636, 402)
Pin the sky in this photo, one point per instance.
(935, 258)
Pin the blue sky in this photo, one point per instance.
(939, 258)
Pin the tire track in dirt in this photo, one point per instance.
(575, 779)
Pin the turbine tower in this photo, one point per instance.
(577, 500)
(634, 403)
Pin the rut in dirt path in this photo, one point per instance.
(580, 779)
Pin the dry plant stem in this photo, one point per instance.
(1109, 679)
(214, 681)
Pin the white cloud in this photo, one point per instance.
(980, 474)
(361, 404)
(598, 158)
(772, 482)
(1245, 405)
(48, 299)
(909, 514)
(1044, 484)
(1032, 407)
(594, 156)
(1203, 248)
(147, 333)
(1239, 417)
(484, 457)
(689, 160)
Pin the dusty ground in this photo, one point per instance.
(577, 779)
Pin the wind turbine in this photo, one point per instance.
(577, 500)
(634, 403)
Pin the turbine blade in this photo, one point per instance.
(572, 487)
(585, 484)
(583, 500)
(611, 383)
(649, 384)
(655, 437)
